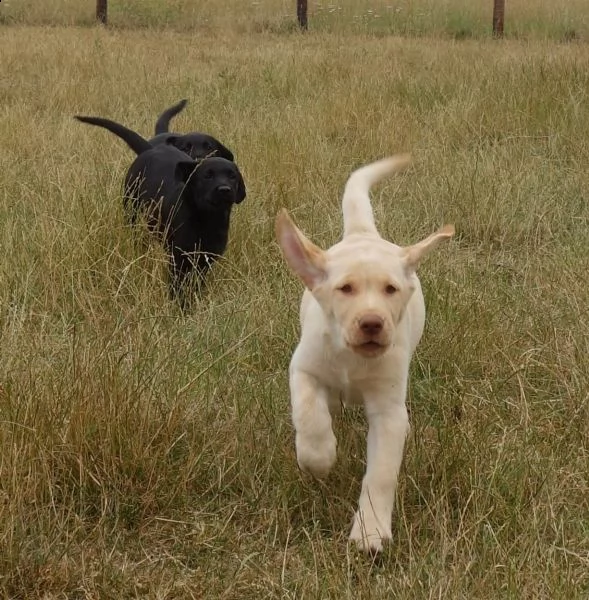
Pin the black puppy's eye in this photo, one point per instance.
(206, 145)
(231, 175)
(390, 289)
(209, 174)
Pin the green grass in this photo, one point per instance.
(146, 453)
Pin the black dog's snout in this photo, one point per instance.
(224, 190)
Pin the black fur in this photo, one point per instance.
(132, 139)
(162, 124)
(195, 144)
(187, 203)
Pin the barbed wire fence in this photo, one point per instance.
(303, 15)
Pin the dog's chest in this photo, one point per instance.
(339, 370)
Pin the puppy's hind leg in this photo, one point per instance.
(315, 441)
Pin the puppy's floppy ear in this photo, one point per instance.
(172, 140)
(240, 187)
(224, 152)
(184, 169)
(413, 254)
(302, 256)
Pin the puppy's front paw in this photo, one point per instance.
(368, 534)
(316, 456)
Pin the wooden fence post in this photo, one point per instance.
(302, 13)
(498, 17)
(101, 11)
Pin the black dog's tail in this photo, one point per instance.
(162, 124)
(133, 140)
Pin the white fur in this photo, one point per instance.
(362, 316)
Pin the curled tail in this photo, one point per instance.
(356, 207)
(133, 140)
(162, 124)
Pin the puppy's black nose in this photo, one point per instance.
(371, 324)
(224, 190)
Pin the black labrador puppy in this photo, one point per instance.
(187, 203)
(195, 144)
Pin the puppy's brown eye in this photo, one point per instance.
(390, 289)
(346, 288)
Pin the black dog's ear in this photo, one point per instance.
(240, 188)
(224, 152)
(172, 140)
(184, 170)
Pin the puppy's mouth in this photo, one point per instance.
(370, 348)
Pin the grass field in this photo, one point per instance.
(146, 453)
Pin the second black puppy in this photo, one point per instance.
(195, 144)
(187, 203)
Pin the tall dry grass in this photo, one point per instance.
(148, 453)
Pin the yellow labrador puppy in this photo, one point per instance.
(362, 316)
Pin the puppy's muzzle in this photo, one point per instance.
(225, 193)
(371, 338)
(371, 325)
